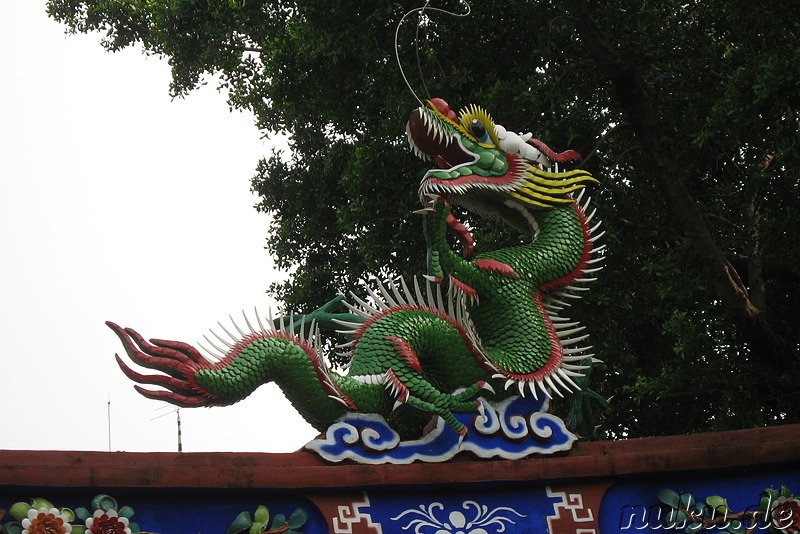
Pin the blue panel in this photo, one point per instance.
(633, 505)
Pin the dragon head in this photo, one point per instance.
(486, 169)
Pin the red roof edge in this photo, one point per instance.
(302, 469)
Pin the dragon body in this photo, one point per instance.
(477, 327)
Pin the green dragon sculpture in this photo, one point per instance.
(417, 352)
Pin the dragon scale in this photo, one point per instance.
(487, 326)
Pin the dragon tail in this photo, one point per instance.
(291, 359)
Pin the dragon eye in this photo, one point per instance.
(478, 129)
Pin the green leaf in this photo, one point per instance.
(68, 513)
(261, 515)
(82, 513)
(242, 522)
(279, 521)
(39, 502)
(764, 504)
(694, 527)
(669, 497)
(298, 518)
(785, 492)
(19, 510)
(718, 503)
(687, 500)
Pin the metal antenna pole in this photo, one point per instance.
(108, 411)
(180, 445)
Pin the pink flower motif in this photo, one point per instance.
(107, 522)
(786, 515)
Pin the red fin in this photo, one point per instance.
(399, 389)
(406, 351)
(498, 267)
(461, 233)
(322, 371)
(464, 288)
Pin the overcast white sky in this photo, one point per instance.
(118, 203)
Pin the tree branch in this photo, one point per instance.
(233, 48)
(602, 140)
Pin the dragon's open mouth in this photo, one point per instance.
(429, 139)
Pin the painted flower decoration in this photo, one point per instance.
(786, 515)
(458, 522)
(107, 522)
(46, 521)
(460, 525)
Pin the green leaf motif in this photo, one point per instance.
(41, 503)
(82, 513)
(719, 504)
(765, 504)
(687, 500)
(68, 513)
(279, 521)
(261, 515)
(242, 522)
(772, 496)
(298, 518)
(19, 510)
(669, 497)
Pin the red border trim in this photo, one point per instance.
(722, 450)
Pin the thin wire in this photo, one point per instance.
(416, 51)
(421, 11)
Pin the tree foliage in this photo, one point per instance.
(687, 111)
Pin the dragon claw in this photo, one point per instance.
(462, 435)
(485, 385)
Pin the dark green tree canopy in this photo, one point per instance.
(687, 111)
